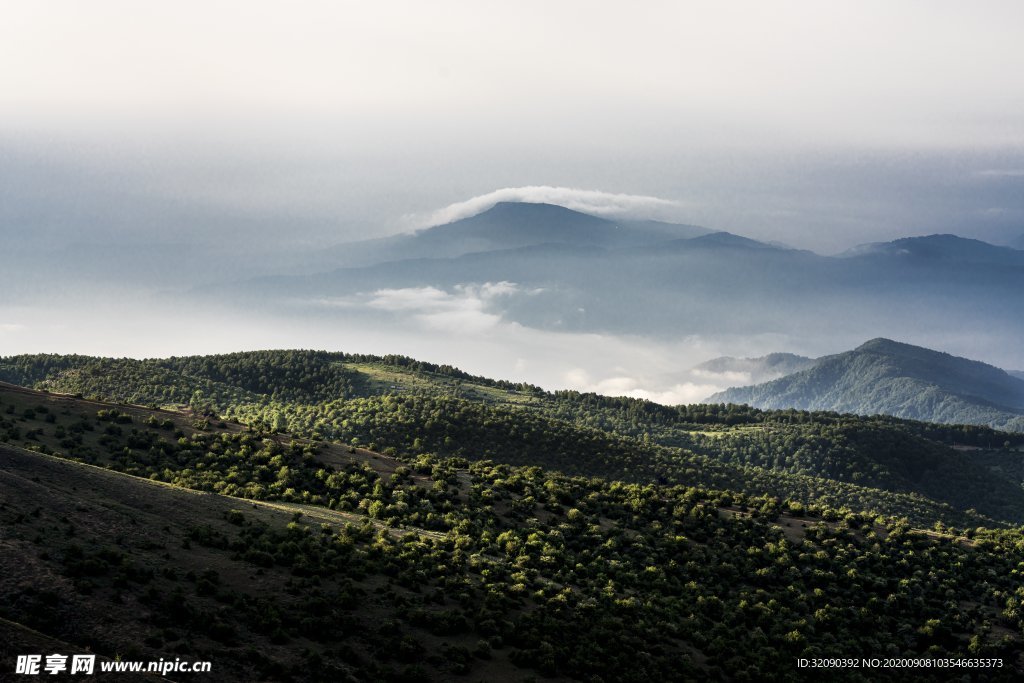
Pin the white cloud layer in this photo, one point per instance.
(464, 310)
(466, 327)
(731, 378)
(593, 202)
(672, 394)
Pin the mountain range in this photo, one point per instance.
(570, 271)
(945, 248)
(886, 377)
(512, 225)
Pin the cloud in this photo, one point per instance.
(587, 201)
(410, 299)
(11, 327)
(466, 309)
(466, 326)
(730, 378)
(687, 392)
(632, 387)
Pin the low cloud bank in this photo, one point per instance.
(633, 387)
(466, 326)
(465, 309)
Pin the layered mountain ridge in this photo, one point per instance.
(512, 225)
(592, 274)
(886, 377)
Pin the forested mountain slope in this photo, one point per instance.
(894, 467)
(887, 377)
(307, 560)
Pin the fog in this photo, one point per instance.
(454, 330)
(824, 201)
(150, 157)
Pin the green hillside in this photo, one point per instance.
(886, 377)
(312, 560)
(893, 467)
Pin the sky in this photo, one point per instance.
(828, 123)
(248, 129)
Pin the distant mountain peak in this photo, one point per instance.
(883, 345)
(895, 378)
(939, 247)
(530, 209)
(728, 239)
(518, 214)
(514, 225)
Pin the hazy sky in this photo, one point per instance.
(245, 128)
(916, 74)
(823, 124)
